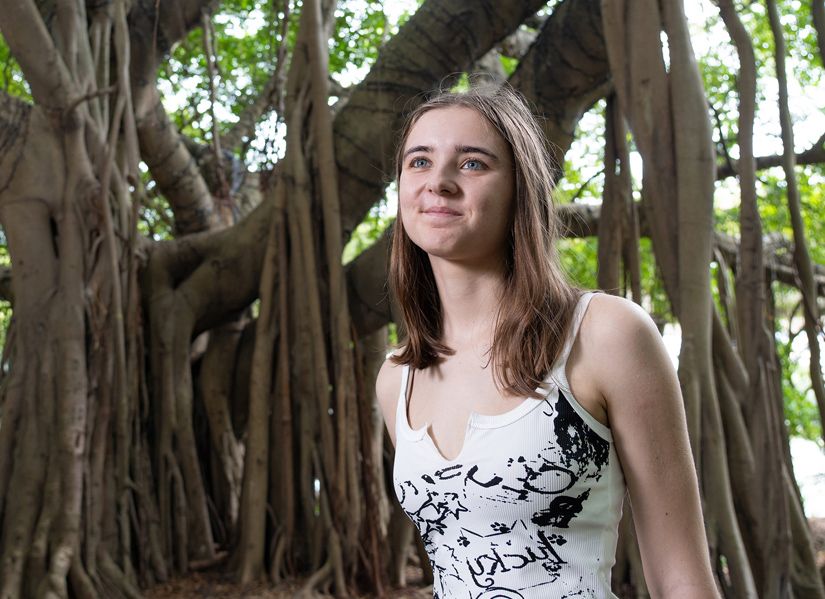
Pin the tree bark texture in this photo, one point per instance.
(802, 257)
(667, 112)
(149, 426)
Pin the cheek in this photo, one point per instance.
(504, 205)
(407, 203)
(403, 193)
(501, 220)
(406, 216)
(405, 211)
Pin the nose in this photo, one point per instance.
(442, 181)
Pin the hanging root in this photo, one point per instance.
(278, 570)
(320, 580)
(115, 577)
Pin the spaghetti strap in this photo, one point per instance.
(405, 378)
(401, 404)
(559, 368)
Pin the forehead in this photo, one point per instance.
(454, 125)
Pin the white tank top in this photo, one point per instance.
(530, 508)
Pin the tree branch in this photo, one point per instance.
(174, 169)
(583, 221)
(442, 39)
(565, 71)
(32, 46)
(155, 27)
(518, 43)
(813, 155)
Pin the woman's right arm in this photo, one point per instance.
(387, 387)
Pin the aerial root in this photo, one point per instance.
(319, 581)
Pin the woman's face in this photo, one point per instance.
(456, 188)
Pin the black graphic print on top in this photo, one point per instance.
(498, 527)
(561, 511)
(578, 443)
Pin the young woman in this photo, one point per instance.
(521, 408)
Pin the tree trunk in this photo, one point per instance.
(802, 257)
(123, 458)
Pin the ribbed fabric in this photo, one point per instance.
(529, 509)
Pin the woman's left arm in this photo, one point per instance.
(632, 371)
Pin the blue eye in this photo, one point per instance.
(419, 162)
(474, 165)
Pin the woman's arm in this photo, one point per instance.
(622, 351)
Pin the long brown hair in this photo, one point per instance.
(530, 333)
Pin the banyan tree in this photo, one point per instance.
(203, 399)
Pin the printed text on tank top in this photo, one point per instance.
(529, 506)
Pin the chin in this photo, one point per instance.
(442, 254)
(437, 251)
(435, 247)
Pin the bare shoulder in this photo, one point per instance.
(388, 384)
(619, 339)
(609, 315)
(613, 322)
(387, 388)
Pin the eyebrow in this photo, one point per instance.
(458, 149)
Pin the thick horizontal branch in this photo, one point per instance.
(442, 39)
(813, 155)
(514, 45)
(583, 221)
(778, 259)
(217, 272)
(517, 43)
(565, 71)
(154, 27)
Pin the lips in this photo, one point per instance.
(442, 211)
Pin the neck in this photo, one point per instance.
(469, 301)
